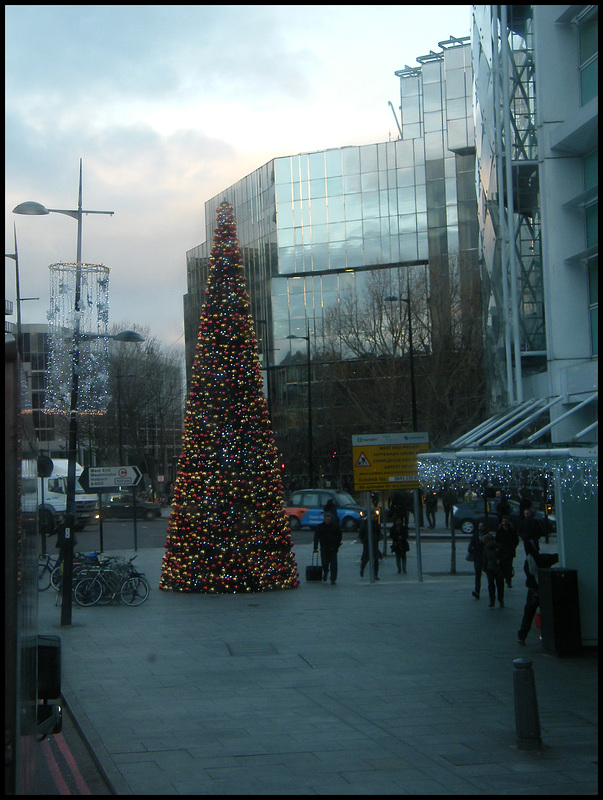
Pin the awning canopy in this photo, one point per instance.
(502, 450)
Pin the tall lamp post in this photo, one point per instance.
(413, 400)
(310, 456)
(413, 391)
(37, 209)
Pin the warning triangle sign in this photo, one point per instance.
(363, 461)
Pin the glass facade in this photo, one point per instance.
(320, 231)
(312, 225)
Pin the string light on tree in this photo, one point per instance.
(228, 532)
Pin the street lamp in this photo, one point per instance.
(418, 508)
(310, 458)
(37, 209)
(413, 393)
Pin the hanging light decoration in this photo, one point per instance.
(63, 320)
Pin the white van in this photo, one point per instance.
(52, 497)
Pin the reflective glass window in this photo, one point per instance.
(351, 183)
(408, 247)
(319, 211)
(286, 237)
(371, 227)
(372, 251)
(320, 256)
(282, 170)
(354, 252)
(368, 158)
(319, 233)
(316, 165)
(406, 176)
(318, 188)
(370, 204)
(336, 209)
(353, 207)
(333, 163)
(337, 255)
(336, 231)
(369, 181)
(406, 200)
(351, 160)
(433, 121)
(334, 186)
(286, 259)
(353, 228)
(284, 215)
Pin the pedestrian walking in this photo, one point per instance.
(364, 538)
(507, 538)
(503, 507)
(492, 567)
(63, 542)
(399, 546)
(331, 508)
(535, 560)
(475, 553)
(328, 537)
(529, 526)
(431, 506)
(448, 501)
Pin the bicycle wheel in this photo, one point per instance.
(44, 571)
(135, 591)
(88, 592)
(56, 577)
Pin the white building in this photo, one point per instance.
(536, 107)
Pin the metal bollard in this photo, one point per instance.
(527, 723)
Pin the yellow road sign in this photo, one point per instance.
(387, 461)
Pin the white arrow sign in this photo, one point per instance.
(101, 477)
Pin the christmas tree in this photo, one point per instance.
(228, 532)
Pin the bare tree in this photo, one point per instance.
(143, 424)
(361, 369)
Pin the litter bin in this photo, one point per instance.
(560, 611)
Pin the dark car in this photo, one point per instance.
(305, 508)
(120, 505)
(467, 515)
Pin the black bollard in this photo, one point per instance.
(527, 723)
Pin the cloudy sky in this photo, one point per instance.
(169, 105)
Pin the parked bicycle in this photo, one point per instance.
(47, 563)
(81, 563)
(112, 579)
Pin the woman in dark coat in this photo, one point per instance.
(399, 537)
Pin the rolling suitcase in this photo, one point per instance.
(314, 571)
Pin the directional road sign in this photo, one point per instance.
(106, 479)
(387, 460)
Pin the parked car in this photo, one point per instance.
(467, 515)
(120, 505)
(305, 509)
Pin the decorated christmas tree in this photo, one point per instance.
(228, 532)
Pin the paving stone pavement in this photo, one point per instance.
(397, 686)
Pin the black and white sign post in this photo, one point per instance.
(111, 479)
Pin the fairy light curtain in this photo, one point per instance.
(63, 320)
(578, 475)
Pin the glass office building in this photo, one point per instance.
(317, 227)
(311, 226)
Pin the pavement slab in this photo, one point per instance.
(397, 686)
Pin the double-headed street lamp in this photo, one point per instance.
(310, 457)
(37, 209)
(413, 392)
